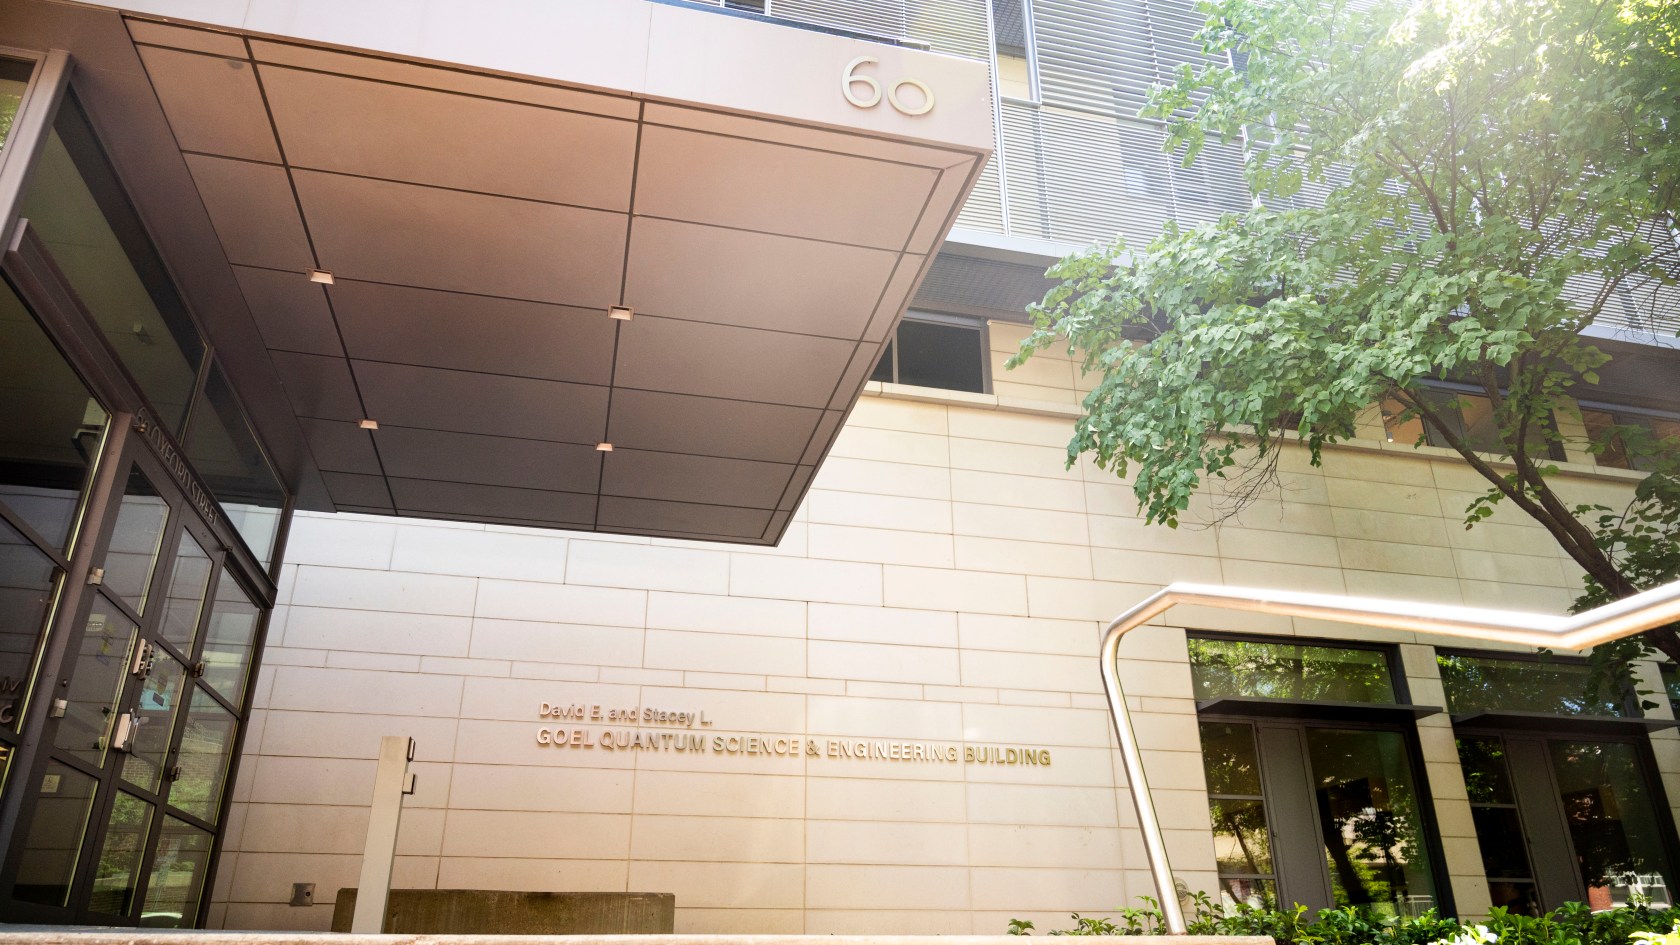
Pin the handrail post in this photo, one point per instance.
(391, 783)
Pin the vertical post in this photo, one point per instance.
(390, 784)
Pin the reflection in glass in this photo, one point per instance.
(225, 452)
(1220, 668)
(177, 882)
(1477, 683)
(118, 870)
(1369, 817)
(48, 863)
(1493, 806)
(1612, 820)
(186, 594)
(206, 746)
(133, 553)
(50, 431)
(1671, 685)
(230, 640)
(1233, 769)
(96, 683)
(14, 80)
(83, 215)
(1242, 840)
(28, 582)
(154, 721)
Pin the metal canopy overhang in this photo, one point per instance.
(484, 182)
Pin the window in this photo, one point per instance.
(935, 351)
(1312, 798)
(1481, 683)
(81, 212)
(1471, 418)
(1631, 440)
(1012, 42)
(1585, 808)
(14, 80)
(1671, 684)
(226, 453)
(1221, 668)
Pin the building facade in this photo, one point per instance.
(535, 380)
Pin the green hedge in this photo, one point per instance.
(1573, 924)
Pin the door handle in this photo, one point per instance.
(124, 730)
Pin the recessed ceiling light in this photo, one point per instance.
(369, 424)
(604, 447)
(321, 275)
(622, 313)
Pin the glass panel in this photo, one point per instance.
(1012, 44)
(884, 368)
(95, 683)
(1408, 432)
(1233, 768)
(48, 863)
(186, 594)
(206, 746)
(1221, 668)
(50, 431)
(232, 636)
(154, 721)
(1368, 814)
(222, 448)
(1520, 898)
(1497, 829)
(133, 554)
(1485, 683)
(1600, 430)
(943, 356)
(82, 213)
(1254, 893)
(1671, 683)
(177, 876)
(28, 582)
(1487, 777)
(118, 871)
(14, 79)
(1241, 842)
(1612, 821)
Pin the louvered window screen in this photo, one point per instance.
(1078, 165)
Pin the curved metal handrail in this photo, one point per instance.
(1612, 621)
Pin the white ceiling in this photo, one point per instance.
(478, 228)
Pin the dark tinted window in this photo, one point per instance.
(935, 354)
(225, 452)
(1476, 683)
(80, 211)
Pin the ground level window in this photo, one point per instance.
(1631, 440)
(1566, 819)
(1317, 814)
(935, 351)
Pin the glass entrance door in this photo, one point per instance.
(125, 799)
(1567, 820)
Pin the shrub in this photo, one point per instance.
(1572, 924)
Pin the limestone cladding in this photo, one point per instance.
(937, 600)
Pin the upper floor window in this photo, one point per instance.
(1012, 42)
(930, 350)
(1470, 418)
(1631, 440)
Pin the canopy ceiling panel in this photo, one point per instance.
(477, 230)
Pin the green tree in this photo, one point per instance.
(1486, 176)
